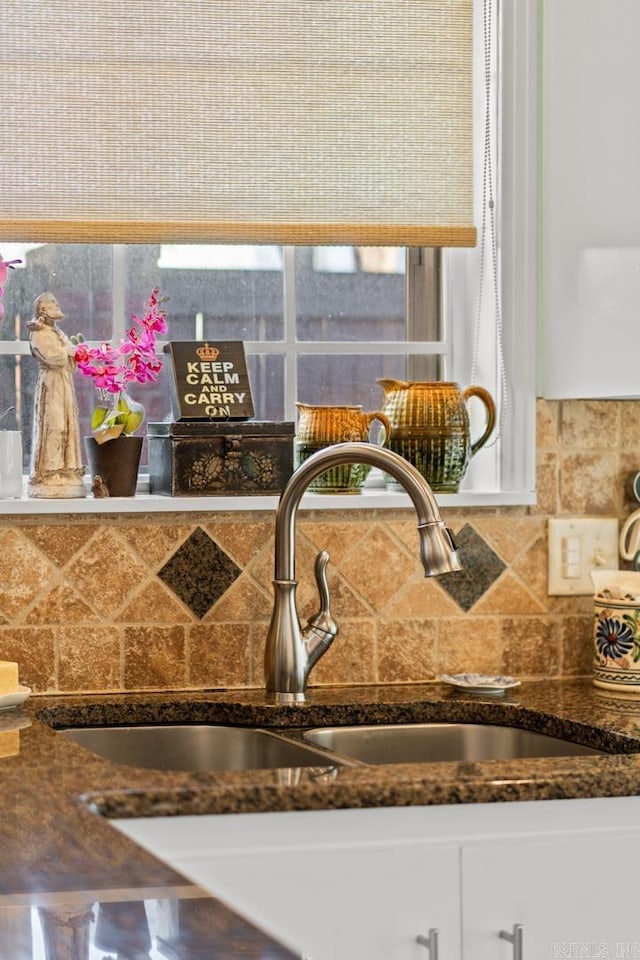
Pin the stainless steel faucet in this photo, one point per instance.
(292, 651)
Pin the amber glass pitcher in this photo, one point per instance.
(430, 427)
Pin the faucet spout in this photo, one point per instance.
(292, 651)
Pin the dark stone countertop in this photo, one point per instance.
(55, 846)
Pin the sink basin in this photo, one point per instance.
(429, 742)
(195, 747)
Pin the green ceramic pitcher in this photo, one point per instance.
(430, 427)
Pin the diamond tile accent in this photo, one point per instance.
(481, 568)
(199, 572)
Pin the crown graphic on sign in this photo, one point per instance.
(208, 353)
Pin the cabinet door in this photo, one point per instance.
(342, 902)
(590, 247)
(575, 897)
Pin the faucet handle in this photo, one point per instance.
(321, 628)
(323, 620)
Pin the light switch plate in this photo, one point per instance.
(576, 546)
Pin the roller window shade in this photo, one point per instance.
(286, 121)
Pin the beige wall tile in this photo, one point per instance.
(61, 605)
(352, 656)
(34, 650)
(154, 543)
(68, 585)
(531, 646)
(60, 549)
(218, 655)
(507, 595)
(531, 568)
(630, 426)
(548, 424)
(257, 644)
(590, 424)
(472, 645)
(547, 484)
(568, 605)
(337, 538)
(510, 536)
(577, 646)
(377, 565)
(587, 484)
(154, 603)
(242, 540)
(24, 573)
(404, 531)
(421, 597)
(154, 658)
(243, 601)
(407, 651)
(106, 572)
(90, 659)
(261, 566)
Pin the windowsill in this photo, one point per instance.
(368, 499)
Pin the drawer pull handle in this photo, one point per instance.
(430, 942)
(516, 938)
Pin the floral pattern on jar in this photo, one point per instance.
(616, 645)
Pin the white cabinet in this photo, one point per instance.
(330, 885)
(343, 902)
(590, 249)
(574, 897)
(363, 884)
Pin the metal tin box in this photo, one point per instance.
(220, 458)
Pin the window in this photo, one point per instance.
(322, 324)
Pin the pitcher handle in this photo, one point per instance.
(386, 426)
(490, 408)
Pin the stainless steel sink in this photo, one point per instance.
(429, 742)
(195, 747)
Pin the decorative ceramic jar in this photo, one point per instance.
(322, 426)
(616, 632)
(430, 427)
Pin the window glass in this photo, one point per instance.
(215, 292)
(80, 276)
(267, 378)
(343, 295)
(320, 325)
(350, 293)
(347, 379)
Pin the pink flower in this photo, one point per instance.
(112, 368)
(134, 360)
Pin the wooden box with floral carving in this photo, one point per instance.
(217, 458)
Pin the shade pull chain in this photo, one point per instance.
(488, 238)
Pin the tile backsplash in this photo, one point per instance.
(179, 601)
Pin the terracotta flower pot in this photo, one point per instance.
(113, 465)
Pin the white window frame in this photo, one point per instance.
(518, 178)
(513, 464)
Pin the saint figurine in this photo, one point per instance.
(56, 459)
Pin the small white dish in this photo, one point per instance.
(9, 701)
(480, 682)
